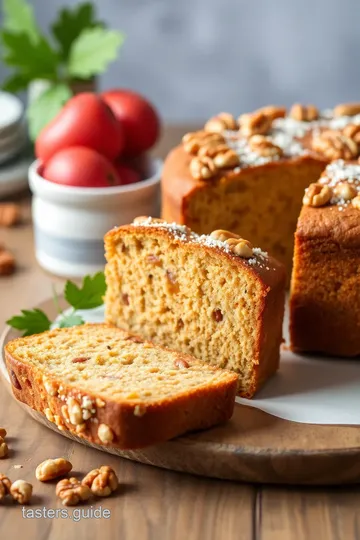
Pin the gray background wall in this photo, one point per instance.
(196, 57)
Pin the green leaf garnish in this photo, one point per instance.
(70, 23)
(92, 51)
(32, 321)
(19, 18)
(16, 82)
(89, 295)
(33, 58)
(45, 107)
(72, 319)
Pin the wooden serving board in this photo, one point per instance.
(252, 447)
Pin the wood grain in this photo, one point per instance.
(155, 504)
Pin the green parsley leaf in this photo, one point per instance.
(70, 23)
(72, 319)
(33, 322)
(92, 51)
(19, 18)
(89, 295)
(36, 59)
(16, 82)
(45, 107)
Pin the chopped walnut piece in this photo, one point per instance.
(192, 142)
(221, 122)
(217, 315)
(52, 468)
(254, 123)
(5, 485)
(345, 191)
(212, 149)
(222, 235)
(317, 195)
(353, 132)
(347, 109)
(334, 145)
(304, 113)
(71, 491)
(227, 159)
(105, 434)
(273, 111)
(102, 482)
(240, 247)
(4, 450)
(21, 491)
(356, 202)
(74, 410)
(202, 168)
(9, 214)
(264, 146)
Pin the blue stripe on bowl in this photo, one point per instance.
(71, 250)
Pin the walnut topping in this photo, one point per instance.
(334, 145)
(356, 202)
(21, 491)
(180, 363)
(224, 160)
(345, 191)
(353, 132)
(304, 113)
(264, 146)
(221, 122)
(74, 410)
(347, 109)
(192, 142)
(254, 123)
(4, 450)
(102, 482)
(202, 168)
(5, 485)
(211, 149)
(52, 468)
(71, 491)
(105, 434)
(317, 195)
(223, 235)
(240, 247)
(50, 387)
(273, 111)
(217, 315)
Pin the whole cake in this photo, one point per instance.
(249, 175)
(111, 388)
(215, 297)
(325, 287)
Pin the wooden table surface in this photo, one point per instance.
(152, 504)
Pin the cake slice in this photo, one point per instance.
(214, 297)
(113, 388)
(325, 288)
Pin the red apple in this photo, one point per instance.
(139, 119)
(126, 174)
(81, 167)
(85, 120)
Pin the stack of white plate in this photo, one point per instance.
(14, 150)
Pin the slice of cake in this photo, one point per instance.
(112, 388)
(249, 175)
(325, 288)
(215, 297)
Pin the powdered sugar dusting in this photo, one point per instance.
(260, 258)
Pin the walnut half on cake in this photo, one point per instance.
(213, 296)
(325, 288)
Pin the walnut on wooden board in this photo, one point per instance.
(52, 468)
(102, 481)
(21, 491)
(5, 485)
(71, 491)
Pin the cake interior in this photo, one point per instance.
(261, 204)
(190, 300)
(106, 362)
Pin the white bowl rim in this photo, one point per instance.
(38, 181)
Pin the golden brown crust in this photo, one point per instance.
(199, 409)
(325, 299)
